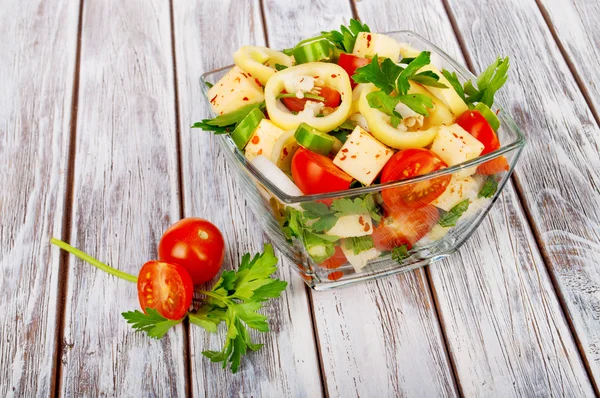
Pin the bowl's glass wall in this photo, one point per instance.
(270, 206)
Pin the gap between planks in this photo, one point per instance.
(519, 188)
(63, 265)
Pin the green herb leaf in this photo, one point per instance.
(455, 83)
(492, 79)
(359, 244)
(386, 104)
(205, 319)
(450, 218)
(402, 84)
(428, 78)
(279, 67)
(372, 207)
(417, 102)
(400, 253)
(346, 37)
(382, 76)
(489, 188)
(347, 207)
(226, 123)
(208, 84)
(151, 322)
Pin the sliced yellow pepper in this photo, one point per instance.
(260, 61)
(379, 124)
(332, 75)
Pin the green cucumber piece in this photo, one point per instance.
(244, 130)
(313, 51)
(313, 139)
(489, 115)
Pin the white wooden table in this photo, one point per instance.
(96, 100)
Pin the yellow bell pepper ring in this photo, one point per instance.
(379, 124)
(332, 75)
(260, 61)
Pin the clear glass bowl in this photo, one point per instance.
(269, 204)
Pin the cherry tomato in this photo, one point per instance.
(195, 244)
(337, 260)
(165, 287)
(404, 227)
(476, 125)
(410, 163)
(350, 63)
(314, 173)
(332, 99)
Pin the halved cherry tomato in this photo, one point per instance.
(165, 287)
(404, 227)
(314, 173)
(476, 125)
(350, 63)
(332, 99)
(195, 244)
(337, 260)
(410, 163)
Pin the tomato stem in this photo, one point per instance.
(91, 260)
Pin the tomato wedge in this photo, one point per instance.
(350, 63)
(410, 163)
(476, 125)
(165, 287)
(332, 99)
(404, 227)
(314, 173)
(337, 260)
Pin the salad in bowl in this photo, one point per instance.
(363, 154)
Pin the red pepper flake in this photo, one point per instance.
(245, 75)
(259, 152)
(353, 156)
(367, 227)
(212, 101)
(237, 79)
(285, 151)
(249, 75)
(333, 76)
(368, 172)
(343, 158)
(368, 41)
(361, 221)
(245, 98)
(377, 156)
(258, 82)
(316, 77)
(345, 150)
(301, 80)
(255, 139)
(454, 134)
(334, 276)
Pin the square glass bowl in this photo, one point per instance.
(402, 244)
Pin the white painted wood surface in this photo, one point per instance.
(125, 196)
(480, 315)
(367, 332)
(559, 173)
(288, 364)
(37, 63)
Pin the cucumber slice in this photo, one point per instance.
(283, 151)
(313, 139)
(313, 51)
(244, 130)
(489, 115)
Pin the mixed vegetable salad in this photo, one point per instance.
(352, 108)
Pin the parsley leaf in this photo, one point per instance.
(386, 104)
(417, 102)
(208, 84)
(346, 37)
(359, 244)
(279, 67)
(226, 123)
(382, 76)
(428, 78)
(402, 84)
(489, 188)
(400, 253)
(455, 83)
(450, 218)
(151, 322)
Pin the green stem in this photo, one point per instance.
(93, 261)
(216, 297)
(306, 95)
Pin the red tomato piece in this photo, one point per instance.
(314, 173)
(350, 63)
(410, 163)
(337, 260)
(334, 276)
(195, 244)
(494, 166)
(332, 99)
(165, 287)
(404, 227)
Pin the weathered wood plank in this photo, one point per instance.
(288, 364)
(505, 330)
(39, 41)
(125, 196)
(559, 173)
(575, 24)
(378, 338)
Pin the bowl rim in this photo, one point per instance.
(506, 122)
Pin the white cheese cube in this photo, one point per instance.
(360, 260)
(362, 156)
(368, 44)
(263, 140)
(234, 90)
(352, 226)
(454, 145)
(457, 191)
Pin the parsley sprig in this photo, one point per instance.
(345, 38)
(450, 218)
(226, 123)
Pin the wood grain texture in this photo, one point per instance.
(505, 329)
(288, 364)
(378, 338)
(37, 63)
(125, 196)
(575, 23)
(559, 172)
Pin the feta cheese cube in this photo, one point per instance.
(362, 156)
(457, 191)
(263, 140)
(234, 90)
(360, 260)
(368, 44)
(352, 226)
(454, 145)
